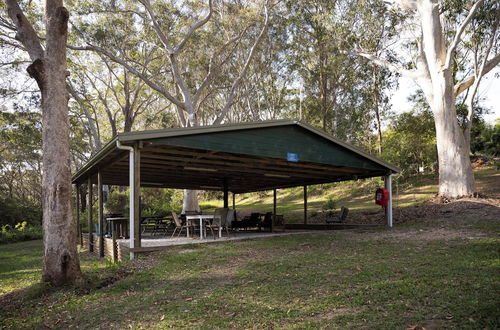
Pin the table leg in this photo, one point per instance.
(187, 227)
(201, 228)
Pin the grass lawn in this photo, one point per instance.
(20, 265)
(434, 274)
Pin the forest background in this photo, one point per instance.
(130, 62)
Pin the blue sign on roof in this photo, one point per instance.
(291, 157)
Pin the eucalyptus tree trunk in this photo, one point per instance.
(60, 258)
(61, 264)
(190, 202)
(434, 75)
(456, 177)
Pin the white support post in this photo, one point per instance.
(388, 213)
(131, 203)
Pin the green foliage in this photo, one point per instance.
(330, 204)
(21, 226)
(20, 159)
(160, 202)
(485, 138)
(14, 210)
(20, 232)
(340, 91)
(410, 141)
(117, 202)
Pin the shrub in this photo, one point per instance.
(156, 202)
(20, 232)
(330, 204)
(14, 210)
(117, 202)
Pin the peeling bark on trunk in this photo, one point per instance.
(61, 264)
(60, 260)
(456, 177)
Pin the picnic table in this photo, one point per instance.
(156, 224)
(203, 218)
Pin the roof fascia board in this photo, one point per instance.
(155, 134)
(109, 147)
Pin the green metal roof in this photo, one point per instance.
(253, 146)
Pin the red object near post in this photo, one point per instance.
(382, 197)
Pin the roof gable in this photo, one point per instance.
(280, 142)
(243, 152)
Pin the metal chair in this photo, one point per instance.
(222, 219)
(344, 211)
(267, 222)
(178, 225)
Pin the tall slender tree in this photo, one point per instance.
(339, 89)
(434, 68)
(48, 68)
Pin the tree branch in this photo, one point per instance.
(156, 26)
(423, 71)
(478, 75)
(211, 70)
(385, 64)
(236, 83)
(458, 34)
(6, 24)
(91, 121)
(172, 52)
(133, 70)
(194, 27)
(26, 34)
(467, 82)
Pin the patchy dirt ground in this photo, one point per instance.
(434, 209)
(422, 235)
(456, 210)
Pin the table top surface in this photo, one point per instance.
(116, 219)
(198, 216)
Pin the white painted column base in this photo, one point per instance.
(388, 213)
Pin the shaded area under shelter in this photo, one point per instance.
(235, 158)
